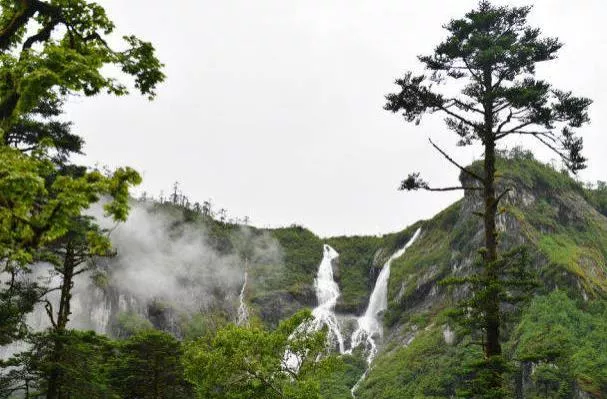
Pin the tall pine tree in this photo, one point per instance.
(492, 54)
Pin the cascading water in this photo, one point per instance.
(370, 325)
(327, 293)
(243, 310)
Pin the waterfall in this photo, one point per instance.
(370, 325)
(243, 311)
(327, 293)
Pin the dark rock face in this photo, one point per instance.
(277, 306)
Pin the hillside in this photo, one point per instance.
(556, 340)
(182, 272)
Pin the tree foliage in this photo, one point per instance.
(149, 366)
(249, 362)
(48, 51)
(490, 57)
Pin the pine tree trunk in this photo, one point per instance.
(491, 306)
(492, 347)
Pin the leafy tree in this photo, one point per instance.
(146, 365)
(65, 52)
(20, 375)
(491, 54)
(516, 283)
(49, 50)
(249, 362)
(149, 366)
(70, 256)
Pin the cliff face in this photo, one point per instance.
(558, 221)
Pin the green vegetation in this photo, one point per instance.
(565, 341)
(560, 220)
(146, 365)
(130, 323)
(357, 265)
(50, 50)
(338, 383)
(242, 362)
(558, 347)
(427, 368)
(597, 196)
(302, 254)
(149, 365)
(279, 290)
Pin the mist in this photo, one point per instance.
(162, 260)
(162, 263)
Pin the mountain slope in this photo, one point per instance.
(561, 224)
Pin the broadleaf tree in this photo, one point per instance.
(49, 51)
(239, 362)
(490, 56)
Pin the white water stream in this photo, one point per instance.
(327, 293)
(243, 310)
(370, 325)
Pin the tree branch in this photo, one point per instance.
(42, 35)
(463, 169)
(17, 22)
(547, 134)
(504, 123)
(513, 130)
(499, 197)
(21, 18)
(553, 148)
(457, 116)
(476, 77)
(465, 106)
(49, 311)
(455, 188)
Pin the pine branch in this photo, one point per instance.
(514, 129)
(455, 188)
(467, 107)
(462, 168)
(457, 116)
(499, 197)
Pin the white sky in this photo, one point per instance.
(274, 107)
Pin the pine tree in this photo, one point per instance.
(492, 53)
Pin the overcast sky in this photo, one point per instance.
(273, 108)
